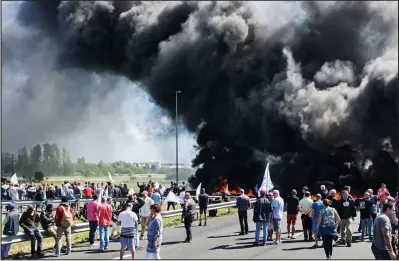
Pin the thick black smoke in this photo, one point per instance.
(319, 94)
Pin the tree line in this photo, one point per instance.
(50, 160)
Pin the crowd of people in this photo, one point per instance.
(327, 218)
(131, 220)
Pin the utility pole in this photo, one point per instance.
(177, 143)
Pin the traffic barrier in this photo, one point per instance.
(21, 237)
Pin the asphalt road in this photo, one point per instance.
(220, 239)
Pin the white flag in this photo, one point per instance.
(14, 179)
(156, 185)
(267, 183)
(110, 177)
(227, 190)
(171, 197)
(131, 191)
(198, 191)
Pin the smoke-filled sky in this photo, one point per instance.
(277, 77)
(100, 117)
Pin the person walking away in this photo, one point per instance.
(181, 199)
(278, 208)
(137, 205)
(243, 204)
(262, 214)
(203, 200)
(114, 221)
(156, 197)
(29, 221)
(381, 195)
(323, 192)
(347, 212)
(87, 192)
(104, 220)
(145, 212)
(64, 216)
(154, 235)
(332, 198)
(292, 213)
(365, 216)
(317, 206)
(11, 226)
(381, 245)
(189, 210)
(374, 200)
(92, 217)
(270, 197)
(305, 207)
(327, 223)
(47, 220)
(128, 221)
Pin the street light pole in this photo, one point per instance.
(177, 143)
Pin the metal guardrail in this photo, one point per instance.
(21, 237)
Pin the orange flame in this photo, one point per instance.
(222, 187)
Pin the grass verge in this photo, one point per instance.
(21, 250)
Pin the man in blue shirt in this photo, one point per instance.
(156, 197)
(317, 206)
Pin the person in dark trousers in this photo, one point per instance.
(29, 221)
(92, 217)
(347, 213)
(305, 207)
(292, 213)
(243, 205)
(188, 215)
(11, 226)
(203, 200)
(332, 199)
(262, 215)
(327, 223)
(366, 221)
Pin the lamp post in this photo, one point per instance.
(177, 144)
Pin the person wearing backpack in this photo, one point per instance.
(327, 224)
(64, 217)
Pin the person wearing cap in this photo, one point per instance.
(243, 204)
(292, 213)
(11, 226)
(327, 223)
(317, 206)
(262, 214)
(347, 212)
(145, 212)
(29, 221)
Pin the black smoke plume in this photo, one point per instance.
(317, 96)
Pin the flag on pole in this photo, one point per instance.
(267, 183)
(171, 197)
(156, 185)
(131, 191)
(227, 190)
(14, 179)
(256, 188)
(198, 191)
(110, 177)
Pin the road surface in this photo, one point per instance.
(220, 239)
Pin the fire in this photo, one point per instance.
(223, 187)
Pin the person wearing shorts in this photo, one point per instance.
(128, 221)
(292, 213)
(278, 208)
(203, 199)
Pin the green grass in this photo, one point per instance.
(19, 250)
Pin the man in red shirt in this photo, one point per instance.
(382, 195)
(87, 192)
(64, 217)
(104, 220)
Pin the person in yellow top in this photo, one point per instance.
(305, 207)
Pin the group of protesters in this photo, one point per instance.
(326, 217)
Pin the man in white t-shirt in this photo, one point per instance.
(128, 221)
(145, 212)
(278, 208)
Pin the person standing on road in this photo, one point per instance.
(104, 220)
(188, 213)
(262, 214)
(243, 205)
(381, 245)
(278, 208)
(128, 221)
(365, 216)
(317, 206)
(347, 212)
(382, 194)
(29, 221)
(145, 212)
(92, 217)
(154, 235)
(270, 197)
(203, 200)
(64, 217)
(374, 201)
(327, 223)
(331, 198)
(323, 192)
(156, 196)
(305, 207)
(292, 213)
